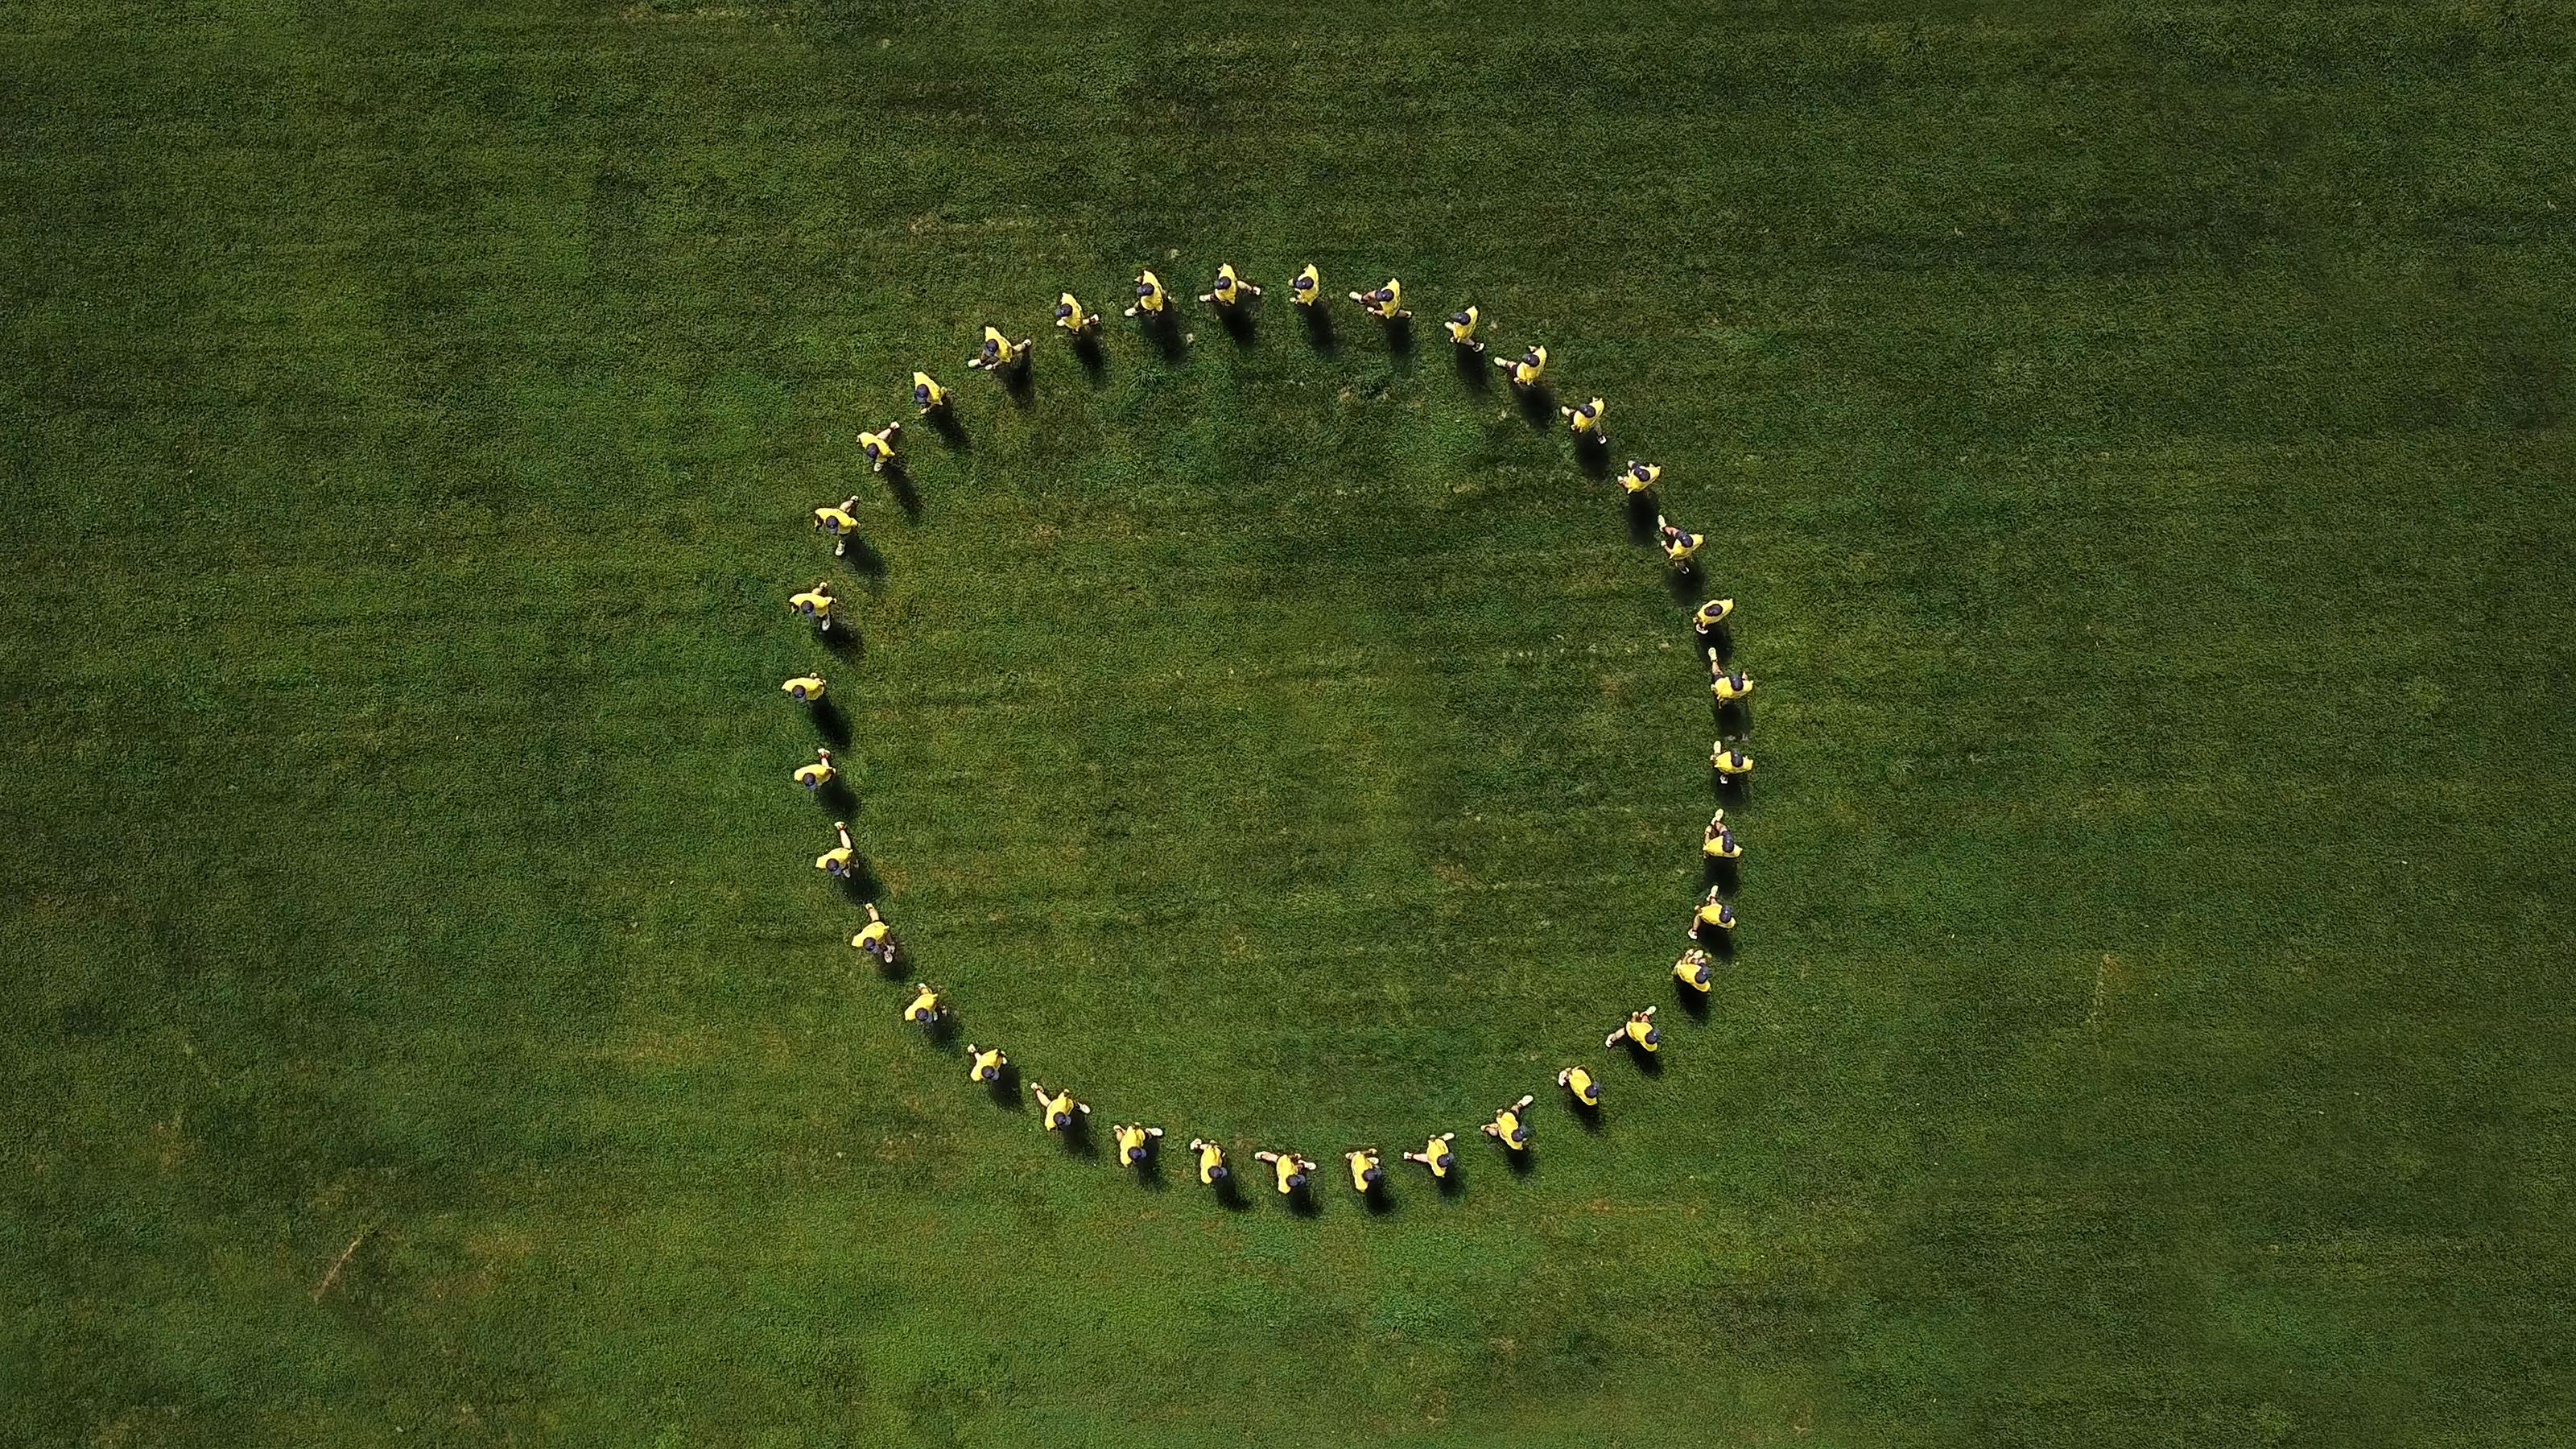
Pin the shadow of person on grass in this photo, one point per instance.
(1399, 337)
(1648, 1063)
(1319, 329)
(1523, 1162)
(1471, 369)
(1237, 322)
(1684, 582)
(1228, 1195)
(1006, 1090)
(898, 481)
(865, 561)
(1721, 639)
(836, 799)
(1537, 403)
(951, 430)
(1095, 363)
(1694, 1003)
(1641, 510)
(1587, 1114)
(829, 722)
(843, 643)
(1165, 334)
(860, 885)
(1019, 385)
(1592, 455)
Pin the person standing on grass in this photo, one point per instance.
(818, 774)
(1462, 330)
(985, 1064)
(1365, 1172)
(926, 1007)
(927, 394)
(1717, 842)
(1584, 421)
(816, 604)
(1069, 315)
(876, 937)
(1578, 1083)
(1435, 1155)
(805, 688)
(1527, 370)
(1135, 1142)
(1057, 1110)
(1151, 299)
(1287, 1170)
(1732, 764)
(1638, 477)
(1508, 1127)
(1307, 287)
(1212, 1168)
(841, 860)
(1677, 543)
(1230, 291)
(1709, 619)
(839, 523)
(1714, 918)
(1638, 1031)
(878, 446)
(1727, 686)
(999, 354)
(1385, 303)
(1694, 971)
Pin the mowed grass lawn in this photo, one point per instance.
(2136, 437)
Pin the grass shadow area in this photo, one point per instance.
(829, 722)
(1237, 322)
(1537, 403)
(1087, 352)
(951, 429)
(898, 481)
(866, 562)
(1641, 510)
(1319, 330)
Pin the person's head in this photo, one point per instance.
(1136, 1153)
(1296, 1180)
(1059, 1118)
(1216, 1172)
(1371, 1173)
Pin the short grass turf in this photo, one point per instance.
(2137, 437)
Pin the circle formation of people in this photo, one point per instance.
(1710, 928)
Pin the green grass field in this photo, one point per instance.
(2137, 437)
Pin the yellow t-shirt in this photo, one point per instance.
(998, 349)
(1580, 1083)
(1732, 762)
(836, 860)
(1641, 476)
(1211, 1157)
(1693, 972)
(805, 686)
(1641, 1032)
(814, 776)
(1051, 1109)
(1721, 846)
(1712, 613)
(1283, 1171)
(1361, 1164)
(987, 1067)
(1714, 914)
(1507, 1126)
(1229, 287)
(1394, 298)
(1730, 687)
(1131, 1141)
(872, 935)
(1149, 292)
(926, 391)
(1438, 1151)
(876, 445)
(1462, 331)
(1587, 418)
(1306, 286)
(833, 520)
(813, 603)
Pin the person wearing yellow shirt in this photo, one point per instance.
(839, 523)
(1229, 290)
(1508, 1128)
(1732, 764)
(999, 353)
(1727, 686)
(1677, 543)
(985, 1064)
(926, 1007)
(1365, 1172)
(1385, 303)
(805, 688)
(1579, 1084)
(1070, 316)
(1527, 369)
(1709, 619)
(1637, 477)
(876, 937)
(878, 446)
(1057, 1110)
(1212, 1168)
(1435, 1155)
(1307, 287)
(1638, 1031)
(815, 604)
(1287, 1170)
(1462, 330)
(1694, 970)
(818, 774)
(927, 394)
(1135, 1142)
(1717, 842)
(1150, 296)
(1584, 421)
(842, 859)
(1713, 918)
